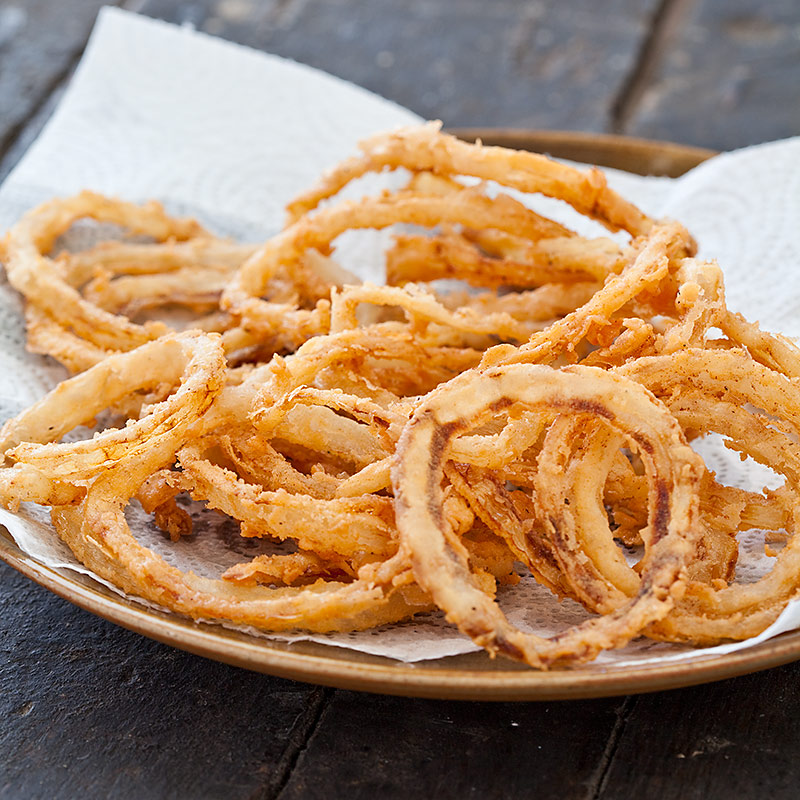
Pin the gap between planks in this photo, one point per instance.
(297, 742)
(667, 18)
(599, 778)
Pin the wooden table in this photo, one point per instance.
(92, 711)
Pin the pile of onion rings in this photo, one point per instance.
(413, 445)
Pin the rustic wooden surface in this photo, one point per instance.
(92, 711)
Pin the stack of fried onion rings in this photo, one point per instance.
(413, 446)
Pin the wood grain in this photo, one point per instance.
(737, 738)
(90, 710)
(367, 747)
(39, 43)
(499, 63)
(728, 76)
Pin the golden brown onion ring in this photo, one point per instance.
(36, 276)
(648, 270)
(194, 362)
(757, 409)
(98, 534)
(673, 469)
(425, 148)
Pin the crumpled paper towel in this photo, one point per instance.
(229, 135)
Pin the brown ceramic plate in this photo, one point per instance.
(468, 677)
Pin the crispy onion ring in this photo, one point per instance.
(673, 469)
(343, 526)
(757, 409)
(168, 257)
(646, 272)
(422, 306)
(100, 537)
(425, 148)
(36, 276)
(192, 361)
(453, 255)
(286, 250)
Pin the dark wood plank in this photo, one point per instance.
(387, 747)
(737, 738)
(728, 76)
(39, 43)
(541, 65)
(91, 710)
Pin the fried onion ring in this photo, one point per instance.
(673, 469)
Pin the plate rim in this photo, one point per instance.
(341, 668)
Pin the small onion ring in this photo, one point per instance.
(716, 386)
(194, 361)
(38, 278)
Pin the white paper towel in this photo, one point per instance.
(230, 135)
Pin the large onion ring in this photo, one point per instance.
(673, 469)
(425, 148)
(98, 534)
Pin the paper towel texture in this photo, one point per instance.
(231, 135)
